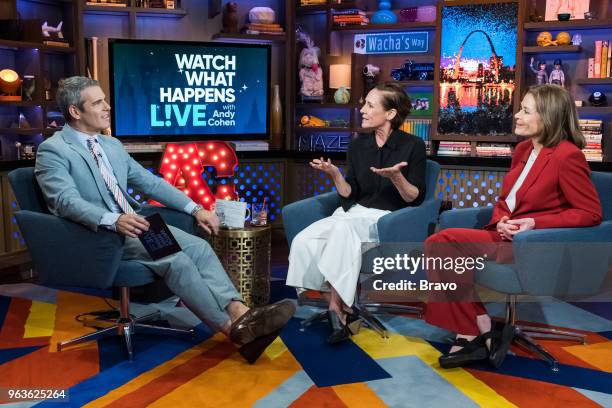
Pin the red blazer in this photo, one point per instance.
(557, 192)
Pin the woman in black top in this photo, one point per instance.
(385, 172)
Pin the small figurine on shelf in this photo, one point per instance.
(541, 74)
(52, 32)
(311, 75)
(230, 18)
(577, 39)
(557, 76)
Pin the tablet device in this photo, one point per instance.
(158, 240)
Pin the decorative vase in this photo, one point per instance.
(384, 15)
(342, 96)
(276, 120)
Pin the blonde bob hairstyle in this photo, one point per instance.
(558, 114)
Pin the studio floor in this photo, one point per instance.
(299, 369)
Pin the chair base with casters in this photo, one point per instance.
(524, 335)
(126, 326)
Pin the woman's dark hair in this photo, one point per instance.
(558, 114)
(394, 97)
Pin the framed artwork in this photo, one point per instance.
(421, 103)
(576, 9)
(477, 68)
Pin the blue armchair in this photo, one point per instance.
(65, 253)
(560, 262)
(409, 224)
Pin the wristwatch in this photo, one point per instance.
(196, 209)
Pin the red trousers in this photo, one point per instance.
(457, 312)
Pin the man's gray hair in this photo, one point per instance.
(69, 93)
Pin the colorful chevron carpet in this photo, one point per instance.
(298, 370)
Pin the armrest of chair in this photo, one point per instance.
(598, 233)
(299, 215)
(466, 218)
(563, 261)
(409, 224)
(177, 219)
(66, 253)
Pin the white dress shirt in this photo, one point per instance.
(511, 199)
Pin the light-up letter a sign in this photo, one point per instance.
(183, 165)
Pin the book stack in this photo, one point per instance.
(250, 145)
(106, 3)
(600, 66)
(259, 28)
(313, 2)
(349, 17)
(455, 149)
(57, 42)
(592, 129)
(418, 127)
(493, 150)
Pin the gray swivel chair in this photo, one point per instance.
(409, 224)
(65, 253)
(559, 262)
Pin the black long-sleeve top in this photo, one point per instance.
(373, 191)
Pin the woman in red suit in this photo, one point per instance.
(548, 186)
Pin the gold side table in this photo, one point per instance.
(245, 255)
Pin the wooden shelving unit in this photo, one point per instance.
(453, 137)
(594, 110)
(158, 12)
(594, 81)
(250, 37)
(569, 25)
(387, 27)
(561, 49)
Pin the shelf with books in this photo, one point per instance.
(551, 49)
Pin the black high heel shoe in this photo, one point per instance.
(339, 331)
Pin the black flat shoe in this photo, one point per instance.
(500, 344)
(471, 352)
(339, 331)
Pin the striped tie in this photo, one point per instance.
(110, 181)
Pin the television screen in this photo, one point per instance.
(170, 91)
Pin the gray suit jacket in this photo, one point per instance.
(73, 187)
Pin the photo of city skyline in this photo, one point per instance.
(477, 68)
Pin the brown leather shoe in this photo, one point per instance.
(252, 350)
(261, 321)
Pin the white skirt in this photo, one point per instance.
(330, 249)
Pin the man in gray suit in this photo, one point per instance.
(84, 176)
